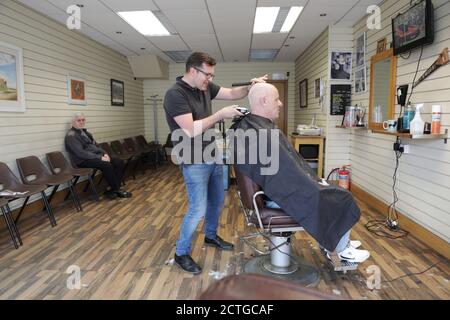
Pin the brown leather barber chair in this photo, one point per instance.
(277, 227)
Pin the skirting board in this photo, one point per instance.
(439, 245)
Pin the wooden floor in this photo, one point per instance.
(124, 249)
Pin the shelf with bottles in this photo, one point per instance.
(431, 136)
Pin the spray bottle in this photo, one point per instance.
(417, 124)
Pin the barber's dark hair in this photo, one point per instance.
(198, 58)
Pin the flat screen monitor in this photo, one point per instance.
(414, 27)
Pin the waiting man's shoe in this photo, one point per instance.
(187, 264)
(219, 243)
(123, 194)
(110, 194)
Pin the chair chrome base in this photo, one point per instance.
(304, 273)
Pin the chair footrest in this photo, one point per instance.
(344, 266)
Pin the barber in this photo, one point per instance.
(187, 105)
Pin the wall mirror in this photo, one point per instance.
(383, 74)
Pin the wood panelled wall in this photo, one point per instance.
(51, 52)
(338, 140)
(226, 74)
(423, 180)
(312, 64)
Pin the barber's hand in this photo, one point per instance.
(106, 158)
(262, 79)
(229, 112)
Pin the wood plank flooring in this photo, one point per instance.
(124, 249)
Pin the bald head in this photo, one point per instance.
(264, 100)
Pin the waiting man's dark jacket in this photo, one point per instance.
(81, 146)
(326, 212)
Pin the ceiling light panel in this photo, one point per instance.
(145, 22)
(265, 19)
(291, 18)
(263, 54)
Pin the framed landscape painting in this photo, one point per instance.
(12, 93)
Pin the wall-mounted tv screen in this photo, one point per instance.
(414, 27)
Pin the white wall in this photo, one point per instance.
(226, 74)
(311, 65)
(424, 174)
(337, 148)
(423, 181)
(50, 53)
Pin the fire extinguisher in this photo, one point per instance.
(344, 177)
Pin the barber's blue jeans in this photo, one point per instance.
(204, 185)
(343, 243)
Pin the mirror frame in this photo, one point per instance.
(391, 104)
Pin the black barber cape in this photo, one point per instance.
(326, 212)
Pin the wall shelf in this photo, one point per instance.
(357, 128)
(415, 137)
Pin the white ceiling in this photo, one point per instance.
(223, 28)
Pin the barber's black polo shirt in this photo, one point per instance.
(181, 99)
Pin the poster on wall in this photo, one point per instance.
(361, 50)
(341, 95)
(12, 93)
(341, 65)
(360, 80)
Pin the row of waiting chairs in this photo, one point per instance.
(36, 178)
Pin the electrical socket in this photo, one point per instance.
(398, 147)
(405, 148)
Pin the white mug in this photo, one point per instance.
(390, 125)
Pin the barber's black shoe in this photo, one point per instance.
(123, 194)
(110, 194)
(218, 242)
(187, 264)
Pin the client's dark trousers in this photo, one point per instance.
(112, 171)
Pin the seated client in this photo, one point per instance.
(85, 153)
(326, 212)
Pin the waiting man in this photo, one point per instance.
(85, 153)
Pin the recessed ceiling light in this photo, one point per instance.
(145, 22)
(178, 56)
(292, 37)
(263, 54)
(286, 45)
(265, 19)
(119, 32)
(291, 19)
(323, 14)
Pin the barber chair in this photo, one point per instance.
(277, 227)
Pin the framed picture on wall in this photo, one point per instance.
(340, 97)
(303, 89)
(341, 65)
(381, 45)
(117, 93)
(76, 90)
(361, 50)
(12, 93)
(360, 80)
(317, 88)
